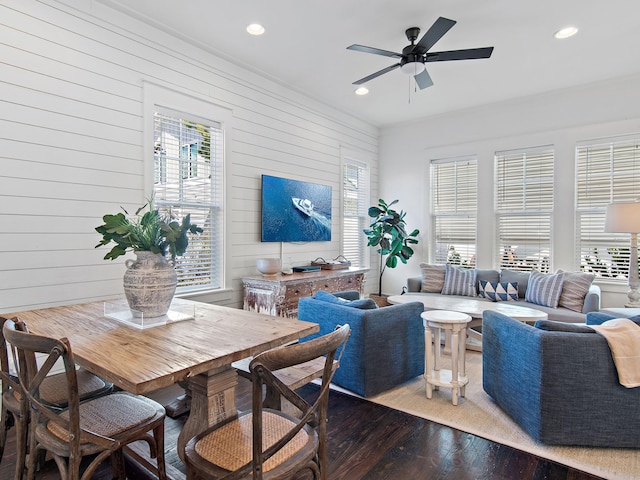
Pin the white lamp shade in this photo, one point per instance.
(623, 218)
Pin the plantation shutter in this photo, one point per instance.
(355, 205)
(454, 192)
(188, 166)
(524, 207)
(608, 171)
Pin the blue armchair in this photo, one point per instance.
(558, 382)
(386, 347)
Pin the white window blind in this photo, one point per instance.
(524, 208)
(454, 191)
(188, 173)
(608, 171)
(355, 204)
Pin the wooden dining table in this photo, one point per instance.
(199, 350)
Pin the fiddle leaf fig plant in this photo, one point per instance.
(388, 232)
(150, 231)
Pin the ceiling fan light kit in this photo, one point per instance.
(414, 57)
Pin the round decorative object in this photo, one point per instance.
(268, 266)
(149, 284)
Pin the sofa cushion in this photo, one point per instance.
(544, 289)
(363, 303)
(514, 276)
(498, 292)
(492, 276)
(574, 288)
(432, 277)
(459, 281)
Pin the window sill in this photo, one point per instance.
(208, 296)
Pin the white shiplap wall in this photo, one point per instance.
(72, 75)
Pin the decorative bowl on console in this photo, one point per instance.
(268, 266)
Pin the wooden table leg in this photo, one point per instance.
(428, 360)
(461, 358)
(213, 399)
(455, 349)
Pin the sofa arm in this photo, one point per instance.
(592, 300)
(414, 284)
(347, 294)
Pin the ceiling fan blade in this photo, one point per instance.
(438, 29)
(375, 51)
(423, 80)
(377, 74)
(468, 54)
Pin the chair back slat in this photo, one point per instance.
(9, 381)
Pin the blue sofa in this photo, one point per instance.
(386, 347)
(558, 382)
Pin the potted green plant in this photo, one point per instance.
(150, 281)
(388, 232)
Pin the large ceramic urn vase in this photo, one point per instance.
(149, 284)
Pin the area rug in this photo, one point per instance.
(479, 415)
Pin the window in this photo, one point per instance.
(608, 171)
(454, 191)
(188, 172)
(355, 205)
(524, 207)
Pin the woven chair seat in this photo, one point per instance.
(54, 388)
(109, 416)
(230, 446)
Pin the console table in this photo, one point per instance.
(279, 294)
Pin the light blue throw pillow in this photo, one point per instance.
(459, 281)
(362, 303)
(544, 289)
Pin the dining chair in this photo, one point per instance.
(269, 444)
(15, 411)
(99, 426)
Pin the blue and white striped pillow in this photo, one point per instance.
(459, 281)
(544, 289)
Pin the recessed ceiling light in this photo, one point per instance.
(255, 29)
(361, 91)
(566, 32)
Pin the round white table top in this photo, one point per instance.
(445, 316)
(470, 305)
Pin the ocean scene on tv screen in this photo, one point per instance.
(295, 211)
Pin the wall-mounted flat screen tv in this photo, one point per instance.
(295, 211)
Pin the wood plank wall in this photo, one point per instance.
(71, 146)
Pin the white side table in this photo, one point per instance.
(454, 323)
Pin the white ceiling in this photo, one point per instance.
(304, 46)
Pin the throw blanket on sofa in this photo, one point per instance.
(623, 337)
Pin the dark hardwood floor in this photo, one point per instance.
(370, 441)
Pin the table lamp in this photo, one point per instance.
(625, 218)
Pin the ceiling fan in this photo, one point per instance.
(414, 56)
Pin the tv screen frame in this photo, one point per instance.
(295, 211)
